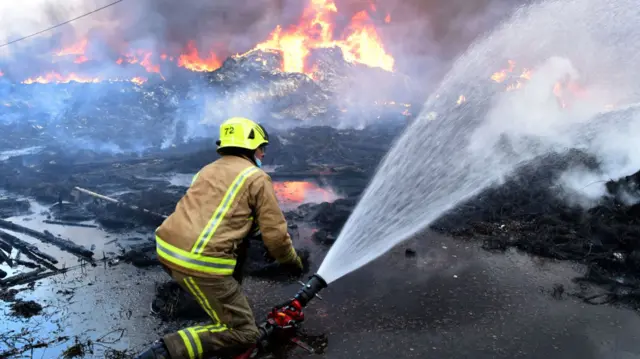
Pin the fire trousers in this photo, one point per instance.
(233, 326)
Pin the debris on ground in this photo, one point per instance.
(172, 302)
(529, 212)
(13, 207)
(78, 349)
(8, 295)
(25, 309)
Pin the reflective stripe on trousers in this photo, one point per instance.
(218, 215)
(192, 340)
(197, 262)
(190, 335)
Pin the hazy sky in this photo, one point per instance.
(21, 18)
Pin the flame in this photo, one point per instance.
(300, 191)
(359, 41)
(138, 80)
(501, 75)
(461, 100)
(146, 63)
(564, 90)
(75, 49)
(80, 59)
(315, 30)
(141, 57)
(515, 86)
(61, 79)
(78, 49)
(192, 61)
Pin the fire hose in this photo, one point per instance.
(285, 319)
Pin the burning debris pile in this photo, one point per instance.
(93, 116)
(309, 72)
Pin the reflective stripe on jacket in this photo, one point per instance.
(201, 236)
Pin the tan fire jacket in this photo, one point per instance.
(218, 211)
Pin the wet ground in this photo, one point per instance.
(450, 300)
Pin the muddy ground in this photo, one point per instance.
(431, 296)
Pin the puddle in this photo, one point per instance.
(290, 194)
(89, 302)
(5, 155)
(85, 301)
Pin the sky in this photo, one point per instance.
(22, 18)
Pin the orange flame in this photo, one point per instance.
(315, 30)
(501, 75)
(78, 49)
(359, 42)
(81, 59)
(141, 57)
(75, 49)
(192, 61)
(138, 80)
(146, 63)
(563, 90)
(299, 191)
(61, 79)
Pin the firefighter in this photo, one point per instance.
(228, 200)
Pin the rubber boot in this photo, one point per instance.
(157, 351)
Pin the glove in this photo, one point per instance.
(300, 265)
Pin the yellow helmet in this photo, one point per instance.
(241, 132)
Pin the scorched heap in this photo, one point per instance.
(359, 41)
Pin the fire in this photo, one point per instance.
(78, 50)
(58, 78)
(301, 191)
(138, 80)
(360, 43)
(75, 49)
(141, 57)
(192, 61)
(146, 63)
(501, 75)
(563, 90)
(461, 100)
(80, 59)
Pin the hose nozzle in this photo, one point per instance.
(310, 289)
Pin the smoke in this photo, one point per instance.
(422, 36)
(532, 121)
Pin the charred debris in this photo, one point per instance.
(41, 161)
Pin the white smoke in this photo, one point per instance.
(438, 164)
(534, 122)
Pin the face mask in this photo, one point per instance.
(258, 162)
